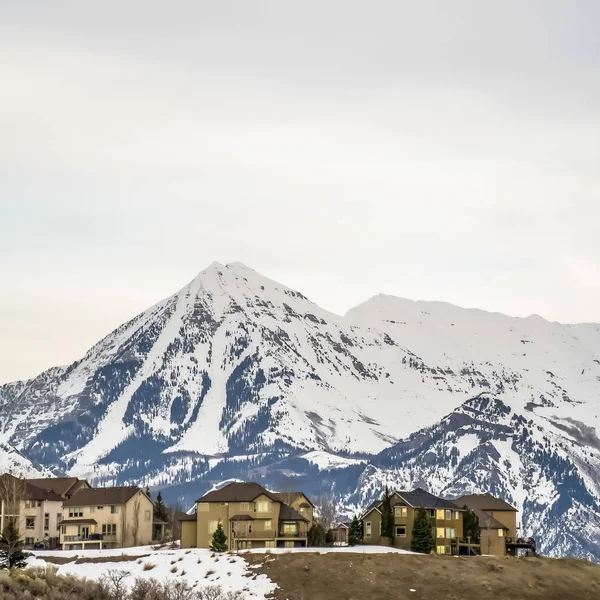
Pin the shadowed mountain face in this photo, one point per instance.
(237, 376)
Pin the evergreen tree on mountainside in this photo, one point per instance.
(355, 534)
(11, 547)
(422, 533)
(219, 539)
(471, 528)
(160, 510)
(387, 516)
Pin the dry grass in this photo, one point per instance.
(62, 560)
(149, 566)
(345, 576)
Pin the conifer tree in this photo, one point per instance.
(148, 492)
(422, 533)
(160, 510)
(387, 517)
(355, 534)
(471, 527)
(219, 539)
(11, 547)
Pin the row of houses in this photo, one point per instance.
(68, 512)
(254, 517)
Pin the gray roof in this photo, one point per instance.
(59, 485)
(372, 506)
(289, 497)
(484, 502)
(419, 498)
(486, 521)
(289, 514)
(102, 496)
(241, 518)
(185, 517)
(238, 492)
(29, 491)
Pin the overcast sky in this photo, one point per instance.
(431, 150)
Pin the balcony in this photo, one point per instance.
(92, 537)
(292, 534)
(254, 535)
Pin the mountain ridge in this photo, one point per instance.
(238, 376)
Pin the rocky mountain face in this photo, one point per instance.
(237, 376)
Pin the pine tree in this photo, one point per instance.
(387, 517)
(422, 533)
(219, 539)
(11, 548)
(148, 492)
(160, 510)
(355, 534)
(471, 527)
(317, 535)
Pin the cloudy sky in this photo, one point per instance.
(433, 150)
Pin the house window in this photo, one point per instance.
(92, 509)
(500, 532)
(29, 541)
(401, 532)
(212, 526)
(58, 518)
(109, 529)
(289, 544)
(450, 533)
(432, 513)
(114, 510)
(289, 528)
(30, 523)
(439, 514)
(75, 512)
(368, 529)
(440, 532)
(448, 515)
(456, 515)
(146, 515)
(401, 511)
(99, 507)
(203, 507)
(46, 521)
(30, 503)
(270, 544)
(63, 530)
(245, 507)
(303, 511)
(263, 506)
(268, 525)
(441, 549)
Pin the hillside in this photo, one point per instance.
(238, 376)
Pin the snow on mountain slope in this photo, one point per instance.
(238, 376)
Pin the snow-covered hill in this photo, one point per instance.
(237, 376)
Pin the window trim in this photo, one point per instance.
(400, 535)
(368, 529)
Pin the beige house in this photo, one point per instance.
(37, 511)
(446, 521)
(115, 517)
(497, 525)
(251, 516)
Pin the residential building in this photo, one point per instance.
(299, 502)
(37, 511)
(340, 534)
(115, 517)
(63, 486)
(497, 525)
(251, 516)
(446, 521)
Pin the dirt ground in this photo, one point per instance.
(345, 576)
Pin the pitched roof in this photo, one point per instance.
(29, 491)
(486, 521)
(184, 517)
(289, 497)
(289, 514)
(484, 502)
(419, 498)
(238, 492)
(102, 496)
(241, 518)
(373, 506)
(59, 485)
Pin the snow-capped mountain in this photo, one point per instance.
(239, 376)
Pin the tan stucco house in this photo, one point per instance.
(446, 521)
(497, 525)
(115, 517)
(37, 511)
(251, 516)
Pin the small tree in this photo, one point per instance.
(471, 527)
(219, 539)
(387, 516)
(317, 536)
(11, 547)
(160, 510)
(355, 534)
(422, 534)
